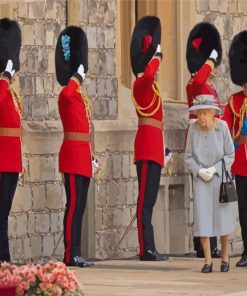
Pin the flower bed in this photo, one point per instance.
(51, 279)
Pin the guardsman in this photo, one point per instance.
(75, 156)
(204, 53)
(236, 117)
(10, 127)
(203, 56)
(146, 56)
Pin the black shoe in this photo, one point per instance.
(207, 268)
(224, 267)
(153, 256)
(242, 262)
(79, 261)
(216, 253)
(199, 254)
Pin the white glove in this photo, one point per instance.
(80, 71)
(158, 49)
(213, 55)
(9, 68)
(206, 176)
(95, 166)
(168, 158)
(211, 170)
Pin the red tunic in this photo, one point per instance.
(197, 85)
(239, 166)
(75, 156)
(149, 142)
(10, 147)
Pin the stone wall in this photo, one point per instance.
(97, 18)
(36, 219)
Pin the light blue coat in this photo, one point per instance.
(204, 150)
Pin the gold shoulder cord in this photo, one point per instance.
(141, 110)
(87, 103)
(17, 99)
(88, 106)
(241, 116)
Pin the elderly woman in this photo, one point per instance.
(208, 143)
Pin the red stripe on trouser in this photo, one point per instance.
(140, 206)
(70, 217)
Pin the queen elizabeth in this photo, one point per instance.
(208, 143)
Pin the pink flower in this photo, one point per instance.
(54, 278)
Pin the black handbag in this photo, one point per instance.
(228, 191)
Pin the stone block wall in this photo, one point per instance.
(97, 18)
(36, 219)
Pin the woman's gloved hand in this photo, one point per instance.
(205, 175)
(211, 170)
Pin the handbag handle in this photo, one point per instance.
(228, 178)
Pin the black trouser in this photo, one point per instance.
(148, 173)
(241, 184)
(76, 187)
(8, 183)
(198, 245)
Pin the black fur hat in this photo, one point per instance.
(238, 58)
(71, 51)
(203, 38)
(10, 43)
(145, 39)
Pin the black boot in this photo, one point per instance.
(243, 261)
(79, 261)
(153, 256)
(216, 253)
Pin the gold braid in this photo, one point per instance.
(86, 101)
(141, 110)
(17, 99)
(241, 116)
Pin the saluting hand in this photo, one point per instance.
(9, 68)
(158, 49)
(159, 52)
(214, 55)
(81, 72)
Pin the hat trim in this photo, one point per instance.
(201, 107)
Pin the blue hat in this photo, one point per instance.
(204, 102)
